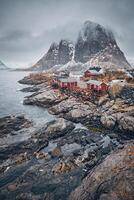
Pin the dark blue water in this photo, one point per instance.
(11, 99)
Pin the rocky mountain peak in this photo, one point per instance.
(53, 46)
(58, 54)
(92, 39)
(93, 31)
(66, 49)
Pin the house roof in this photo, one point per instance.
(58, 77)
(77, 73)
(67, 80)
(96, 68)
(93, 71)
(117, 81)
(95, 82)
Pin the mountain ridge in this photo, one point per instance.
(95, 45)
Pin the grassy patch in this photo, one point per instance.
(95, 129)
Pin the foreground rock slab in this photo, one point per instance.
(56, 128)
(45, 98)
(112, 179)
(52, 162)
(10, 124)
(73, 110)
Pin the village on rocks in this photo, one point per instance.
(94, 118)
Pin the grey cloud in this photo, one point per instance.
(27, 27)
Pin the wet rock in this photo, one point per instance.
(73, 110)
(12, 187)
(87, 156)
(125, 123)
(127, 94)
(107, 106)
(112, 179)
(24, 196)
(108, 121)
(30, 89)
(56, 152)
(56, 128)
(56, 171)
(45, 98)
(32, 79)
(11, 124)
(103, 100)
(21, 151)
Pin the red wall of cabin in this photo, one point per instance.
(102, 87)
(68, 85)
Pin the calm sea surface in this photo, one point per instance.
(11, 99)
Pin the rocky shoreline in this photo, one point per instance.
(52, 161)
(112, 112)
(57, 155)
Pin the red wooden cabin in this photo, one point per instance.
(97, 85)
(94, 71)
(69, 83)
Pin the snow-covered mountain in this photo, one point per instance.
(95, 45)
(3, 66)
(92, 39)
(58, 54)
(98, 46)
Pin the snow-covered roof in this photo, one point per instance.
(118, 81)
(92, 71)
(67, 80)
(76, 73)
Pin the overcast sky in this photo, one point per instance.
(28, 27)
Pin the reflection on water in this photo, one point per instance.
(11, 99)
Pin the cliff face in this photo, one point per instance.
(92, 39)
(111, 58)
(95, 45)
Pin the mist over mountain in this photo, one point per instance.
(95, 45)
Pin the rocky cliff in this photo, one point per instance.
(97, 45)
(58, 54)
(92, 39)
